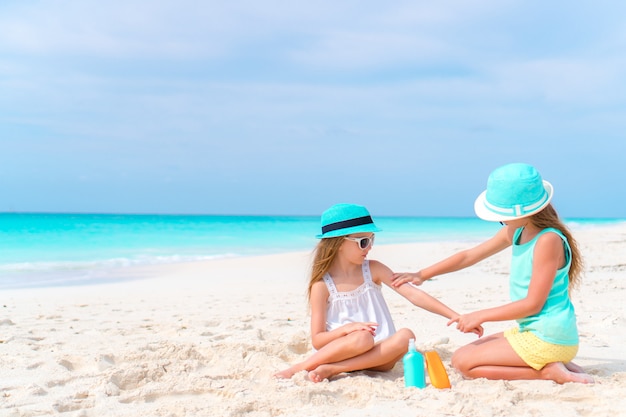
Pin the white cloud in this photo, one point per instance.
(195, 89)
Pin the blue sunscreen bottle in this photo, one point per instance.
(413, 363)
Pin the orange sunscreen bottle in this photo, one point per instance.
(436, 371)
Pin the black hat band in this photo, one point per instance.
(359, 221)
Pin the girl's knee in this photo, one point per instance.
(406, 334)
(400, 341)
(459, 361)
(402, 338)
(362, 341)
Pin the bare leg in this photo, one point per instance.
(381, 357)
(345, 347)
(493, 358)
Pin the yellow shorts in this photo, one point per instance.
(537, 353)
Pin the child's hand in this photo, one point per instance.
(468, 323)
(478, 331)
(402, 278)
(360, 326)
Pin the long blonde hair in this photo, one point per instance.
(548, 217)
(325, 253)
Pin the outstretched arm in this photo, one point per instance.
(548, 257)
(458, 261)
(416, 296)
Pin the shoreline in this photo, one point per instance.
(205, 338)
(66, 258)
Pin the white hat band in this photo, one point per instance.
(518, 209)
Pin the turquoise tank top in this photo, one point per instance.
(556, 322)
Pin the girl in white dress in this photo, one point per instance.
(351, 327)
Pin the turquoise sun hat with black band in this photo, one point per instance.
(345, 219)
(514, 191)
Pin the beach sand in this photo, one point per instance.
(204, 339)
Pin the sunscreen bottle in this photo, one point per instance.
(413, 363)
(436, 371)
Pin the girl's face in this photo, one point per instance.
(358, 245)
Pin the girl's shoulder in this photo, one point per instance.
(318, 284)
(553, 231)
(379, 271)
(376, 264)
(550, 236)
(319, 288)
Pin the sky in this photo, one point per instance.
(287, 107)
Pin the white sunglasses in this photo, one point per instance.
(364, 242)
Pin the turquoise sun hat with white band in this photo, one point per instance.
(514, 191)
(345, 219)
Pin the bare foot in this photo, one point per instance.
(314, 377)
(571, 366)
(320, 373)
(559, 373)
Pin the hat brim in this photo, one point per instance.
(484, 213)
(365, 228)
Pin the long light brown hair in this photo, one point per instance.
(325, 253)
(548, 217)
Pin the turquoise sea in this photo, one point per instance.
(39, 249)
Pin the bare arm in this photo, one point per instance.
(547, 258)
(458, 261)
(416, 296)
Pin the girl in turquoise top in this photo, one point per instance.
(545, 266)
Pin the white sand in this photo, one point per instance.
(204, 340)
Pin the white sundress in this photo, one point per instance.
(364, 304)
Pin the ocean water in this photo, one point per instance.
(39, 249)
